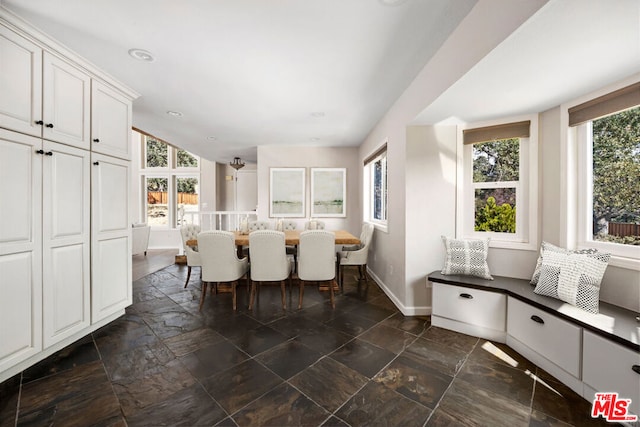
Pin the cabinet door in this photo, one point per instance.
(66, 102)
(110, 122)
(20, 83)
(111, 236)
(20, 248)
(66, 239)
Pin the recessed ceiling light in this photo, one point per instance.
(317, 114)
(174, 113)
(314, 139)
(392, 2)
(141, 55)
(212, 138)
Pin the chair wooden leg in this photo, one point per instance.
(233, 293)
(301, 294)
(282, 290)
(364, 273)
(204, 293)
(341, 278)
(215, 288)
(333, 302)
(188, 276)
(252, 294)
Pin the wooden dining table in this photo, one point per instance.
(291, 237)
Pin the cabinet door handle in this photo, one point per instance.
(49, 125)
(537, 319)
(636, 369)
(96, 140)
(39, 151)
(467, 296)
(49, 153)
(39, 122)
(96, 163)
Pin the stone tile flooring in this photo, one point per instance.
(364, 363)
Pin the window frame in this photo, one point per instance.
(381, 153)
(526, 236)
(627, 256)
(172, 172)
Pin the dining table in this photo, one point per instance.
(291, 237)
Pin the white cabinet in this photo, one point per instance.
(609, 367)
(66, 239)
(65, 102)
(470, 311)
(548, 341)
(20, 83)
(111, 236)
(110, 121)
(20, 248)
(42, 94)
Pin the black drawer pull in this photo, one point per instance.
(39, 122)
(537, 319)
(96, 140)
(467, 296)
(49, 125)
(636, 369)
(96, 163)
(39, 151)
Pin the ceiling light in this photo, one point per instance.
(174, 113)
(317, 114)
(237, 163)
(141, 55)
(212, 138)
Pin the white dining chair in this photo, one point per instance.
(220, 262)
(316, 260)
(356, 255)
(190, 232)
(259, 225)
(314, 224)
(269, 261)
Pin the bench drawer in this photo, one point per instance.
(480, 308)
(553, 338)
(608, 367)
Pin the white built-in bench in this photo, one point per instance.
(588, 352)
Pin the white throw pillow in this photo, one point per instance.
(466, 256)
(548, 247)
(573, 278)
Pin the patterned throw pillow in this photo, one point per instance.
(546, 247)
(573, 278)
(466, 256)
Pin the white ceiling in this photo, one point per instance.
(253, 72)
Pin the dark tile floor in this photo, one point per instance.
(364, 363)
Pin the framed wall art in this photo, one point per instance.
(287, 192)
(328, 192)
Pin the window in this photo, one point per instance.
(375, 187)
(607, 133)
(170, 178)
(498, 165)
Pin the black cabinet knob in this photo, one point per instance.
(537, 319)
(96, 163)
(49, 153)
(96, 140)
(49, 125)
(39, 122)
(39, 151)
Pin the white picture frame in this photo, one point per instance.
(287, 192)
(328, 192)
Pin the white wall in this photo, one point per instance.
(431, 173)
(270, 156)
(480, 32)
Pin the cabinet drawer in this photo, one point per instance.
(608, 367)
(480, 308)
(553, 338)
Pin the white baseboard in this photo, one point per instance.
(407, 311)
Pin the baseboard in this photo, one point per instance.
(407, 311)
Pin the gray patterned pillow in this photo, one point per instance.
(466, 256)
(573, 278)
(545, 247)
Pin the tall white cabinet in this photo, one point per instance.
(65, 231)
